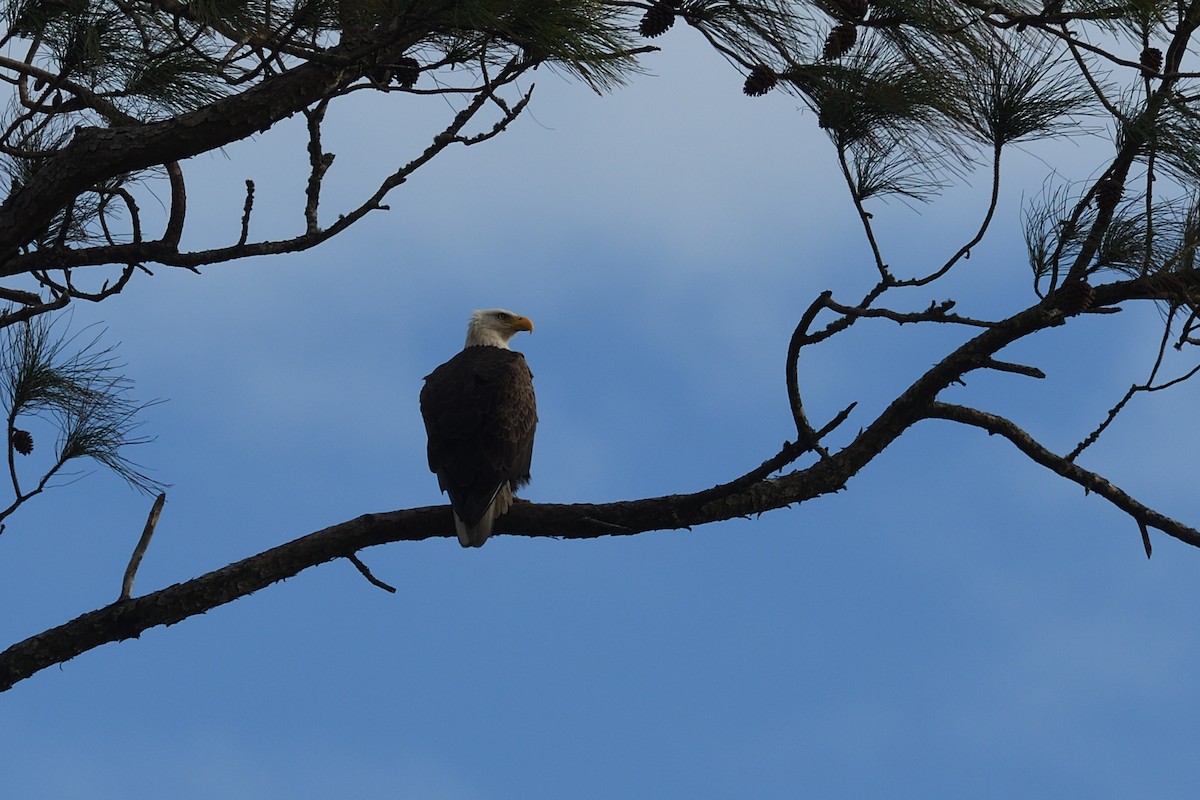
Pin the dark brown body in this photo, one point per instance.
(480, 414)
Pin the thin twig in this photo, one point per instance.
(136, 559)
(836, 421)
(318, 162)
(965, 250)
(366, 573)
(936, 312)
(806, 436)
(787, 454)
(864, 217)
(1092, 437)
(247, 209)
(1148, 386)
(1016, 369)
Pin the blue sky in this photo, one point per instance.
(956, 623)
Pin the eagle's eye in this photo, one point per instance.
(502, 316)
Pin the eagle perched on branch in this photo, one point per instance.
(480, 414)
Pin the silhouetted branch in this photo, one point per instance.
(366, 573)
(936, 312)
(129, 618)
(140, 549)
(965, 251)
(1148, 386)
(178, 211)
(1091, 481)
(806, 436)
(1094, 436)
(1016, 369)
(247, 210)
(319, 163)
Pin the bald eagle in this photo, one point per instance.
(480, 415)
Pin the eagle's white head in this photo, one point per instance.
(495, 327)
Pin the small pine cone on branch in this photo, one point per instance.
(21, 441)
(406, 72)
(1074, 297)
(840, 40)
(1108, 194)
(760, 81)
(658, 19)
(1152, 61)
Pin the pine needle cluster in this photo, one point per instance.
(1140, 239)
(79, 390)
(136, 63)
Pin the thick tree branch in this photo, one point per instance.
(165, 251)
(129, 618)
(95, 154)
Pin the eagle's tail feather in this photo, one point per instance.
(475, 535)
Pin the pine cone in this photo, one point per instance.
(1108, 194)
(840, 40)
(760, 81)
(1152, 61)
(658, 19)
(406, 72)
(1074, 297)
(21, 441)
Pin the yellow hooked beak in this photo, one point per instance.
(522, 323)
